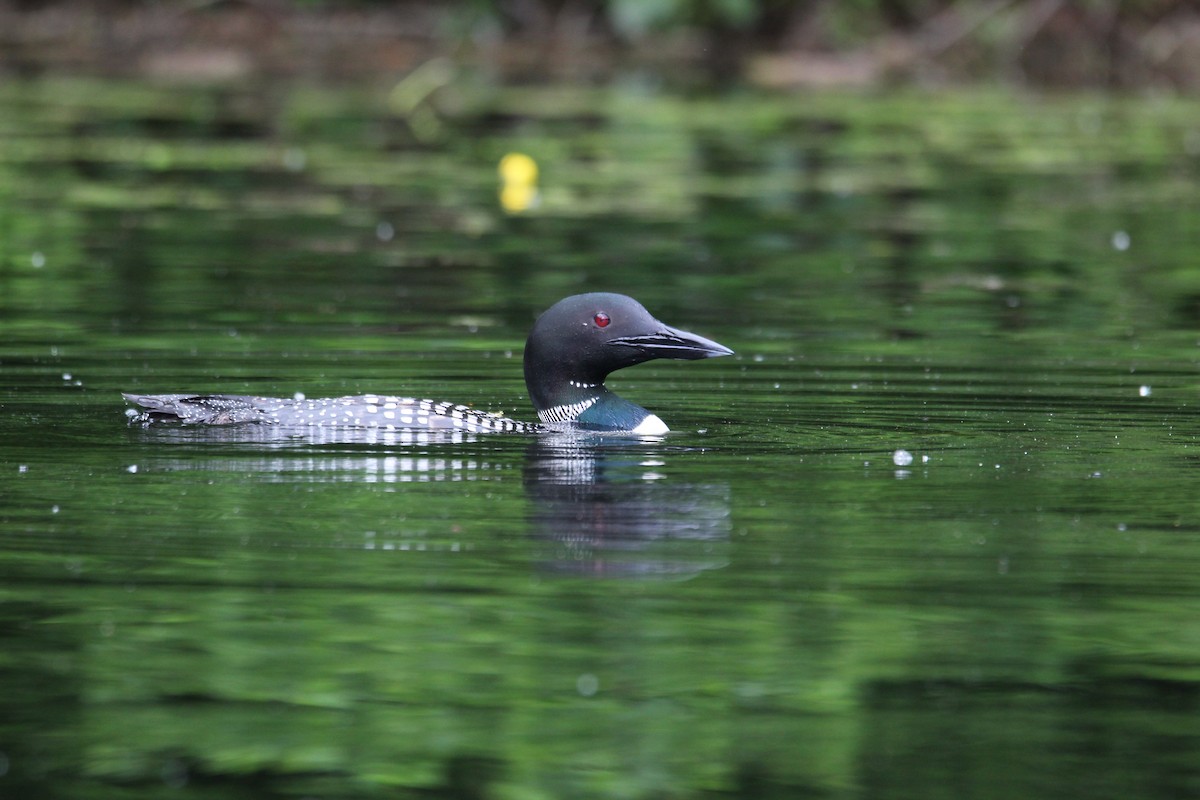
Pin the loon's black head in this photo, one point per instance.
(579, 340)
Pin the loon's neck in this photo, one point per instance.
(595, 407)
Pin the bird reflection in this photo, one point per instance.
(279, 454)
(604, 506)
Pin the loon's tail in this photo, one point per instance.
(218, 409)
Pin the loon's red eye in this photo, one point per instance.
(601, 319)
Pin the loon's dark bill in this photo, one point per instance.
(670, 342)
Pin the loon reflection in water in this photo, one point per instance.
(598, 505)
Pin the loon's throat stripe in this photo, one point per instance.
(568, 412)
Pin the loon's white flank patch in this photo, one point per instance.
(566, 413)
(651, 426)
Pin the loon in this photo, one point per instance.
(572, 348)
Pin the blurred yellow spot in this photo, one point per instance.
(515, 198)
(518, 168)
(518, 183)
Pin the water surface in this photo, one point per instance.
(933, 532)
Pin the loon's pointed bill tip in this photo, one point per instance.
(696, 346)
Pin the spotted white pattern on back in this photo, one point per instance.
(382, 412)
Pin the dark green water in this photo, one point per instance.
(764, 605)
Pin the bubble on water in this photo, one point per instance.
(587, 684)
(22, 468)
(384, 231)
(132, 469)
(902, 458)
(298, 396)
(924, 459)
(750, 690)
(38, 259)
(1120, 241)
(66, 376)
(294, 159)
(1144, 391)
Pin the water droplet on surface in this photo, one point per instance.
(384, 231)
(38, 260)
(1144, 391)
(1120, 241)
(132, 469)
(902, 458)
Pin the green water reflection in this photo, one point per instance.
(767, 604)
